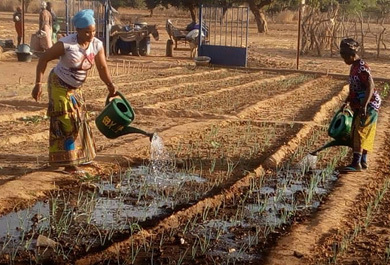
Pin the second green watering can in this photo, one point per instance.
(116, 117)
(339, 129)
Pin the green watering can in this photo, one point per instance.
(339, 129)
(115, 118)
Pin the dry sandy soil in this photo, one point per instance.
(183, 103)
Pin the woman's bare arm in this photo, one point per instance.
(51, 54)
(104, 72)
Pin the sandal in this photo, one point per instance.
(75, 171)
(351, 168)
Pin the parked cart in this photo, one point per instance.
(179, 36)
(133, 39)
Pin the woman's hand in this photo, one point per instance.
(112, 90)
(37, 92)
(344, 106)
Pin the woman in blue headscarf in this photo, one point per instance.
(71, 142)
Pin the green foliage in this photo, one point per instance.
(385, 91)
(136, 3)
(280, 5)
(151, 4)
(128, 3)
(119, 3)
(353, 6)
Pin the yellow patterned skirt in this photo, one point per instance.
(364, 129)
(71, 140)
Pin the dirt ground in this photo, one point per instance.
(181, 102)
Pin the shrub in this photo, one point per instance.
(285, 16)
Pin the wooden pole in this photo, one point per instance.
(299, 31)
(23, 7)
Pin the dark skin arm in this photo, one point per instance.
(54, 53)
(369, 92)
(51, 54)
(104, 73)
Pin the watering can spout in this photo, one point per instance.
(332, 143)
(130, 129)
(340, 130)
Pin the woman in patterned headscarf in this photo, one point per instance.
(71, 142)
(364, 101)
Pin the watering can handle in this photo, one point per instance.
(122, 97)
(346, 110)
(349, 112)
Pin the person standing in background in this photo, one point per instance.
(45, 27)
(18, 23)
(55, 25)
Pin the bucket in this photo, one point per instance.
(35, 43)
(23, 53)
(202, 60)
(24, 57)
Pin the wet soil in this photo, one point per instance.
(227, 126)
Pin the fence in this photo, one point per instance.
(225, 38)
(103, 17)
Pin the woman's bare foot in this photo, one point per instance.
(74, 170)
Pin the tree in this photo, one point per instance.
(151, 5)
(118, 3)
(26, 4)
(190, 5)
(255, 6)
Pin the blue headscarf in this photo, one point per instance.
(83, 19)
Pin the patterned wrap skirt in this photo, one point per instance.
(71, 140)
(364, 129)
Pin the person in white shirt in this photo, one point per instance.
(71, 141)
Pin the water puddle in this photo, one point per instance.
(24, 225)
(112, 206)
(269, 205)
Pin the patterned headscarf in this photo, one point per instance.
(83, 19)
(349, 47)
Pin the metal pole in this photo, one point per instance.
(22, 18)
(299, 31)
(66, 17)
(200, 28)
(247, 36)
(106, 18)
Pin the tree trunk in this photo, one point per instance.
(260, 19)
(361, 20)
(26, 5)
(192, 12)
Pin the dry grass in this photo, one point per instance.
(8, 5)
(286, 16)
